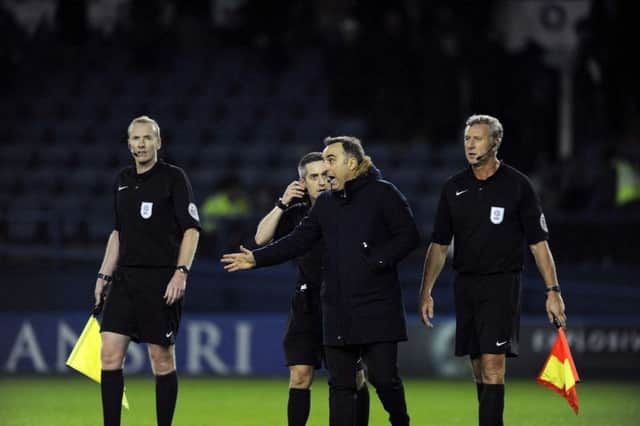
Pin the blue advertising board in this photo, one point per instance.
(250, 345)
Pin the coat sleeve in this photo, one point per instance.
(295, 244)
(403, 229)
(286, 224)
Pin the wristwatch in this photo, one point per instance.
(183, 269)
(555, 288)
(281, 205)
(104, 277)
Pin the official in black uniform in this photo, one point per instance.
(367, 228)
(303, 338)
(149, 254)
(490, 210)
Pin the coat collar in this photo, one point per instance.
(354, 185)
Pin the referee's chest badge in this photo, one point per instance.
(497, 215)
(146, 209)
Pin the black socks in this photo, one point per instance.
(479, 388)
(298, 406)
(112, 386)
(166, 395)
(491, 405)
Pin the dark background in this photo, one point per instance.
(241, 89)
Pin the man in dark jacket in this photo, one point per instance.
(303, 348)
(368, 228)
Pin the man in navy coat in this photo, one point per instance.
(368, 228)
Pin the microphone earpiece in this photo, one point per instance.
(486, 154)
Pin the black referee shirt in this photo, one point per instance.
(489, 220)
(309, 264)
(152, 210)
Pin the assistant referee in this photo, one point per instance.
(490, 210)
(147, 259)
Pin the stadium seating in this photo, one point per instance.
(63, 140)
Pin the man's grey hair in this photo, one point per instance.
(306, 159)
(495, 127)
(145, 119)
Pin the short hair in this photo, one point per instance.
(495, 127)
(351, 145)
(144, 119)
(306, 159)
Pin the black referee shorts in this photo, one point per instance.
(135, 306)
(487, 314)
(303, 338)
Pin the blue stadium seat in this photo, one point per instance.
(24, 217)
(43, 181)
(21, 154)
(81, 181)
(100, 224)
(57, 155)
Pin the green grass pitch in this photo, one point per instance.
(73, 401)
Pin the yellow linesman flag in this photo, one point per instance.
(85, 356)
(559, 372)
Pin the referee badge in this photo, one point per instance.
(193, 211)
(146, 209)
(497, 215)
(543, 223)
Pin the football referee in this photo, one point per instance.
(303, 338)
(490, 210)
(147, 260)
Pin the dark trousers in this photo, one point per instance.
(381, 360)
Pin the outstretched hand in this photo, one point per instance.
(239, 261)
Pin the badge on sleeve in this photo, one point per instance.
(497, 215)
(193, 211)
(146, 209)
(543, 223)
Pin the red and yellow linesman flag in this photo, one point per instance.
(85, 356)
(559, 372)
